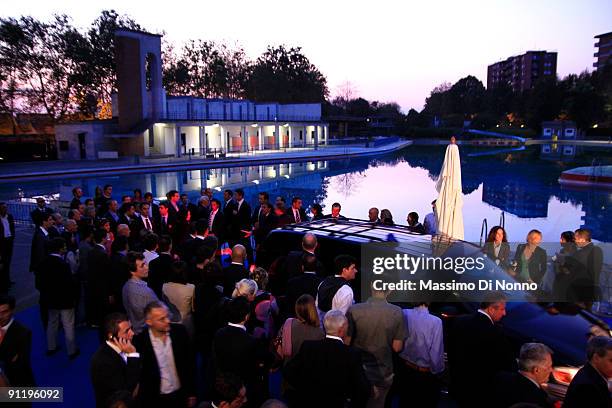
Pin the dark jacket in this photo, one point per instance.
(514, 388)
(57, 285)
(585, 269)
(305, 283)
(15, 352)
(109, 374)
(503, 255)
(326, 373)
(240, 220)
(160, 270)
(232, 274)
(291, 215)
(588, 389)
(184, 361)
(38, 213)
(537, 262)
(38, 250)
(219, 227)
(477, 351)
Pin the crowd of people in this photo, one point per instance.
(189, 312)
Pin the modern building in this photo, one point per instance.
(555, 131)
(522, 71)
(26, 137)
(604, 50)
(148, 123)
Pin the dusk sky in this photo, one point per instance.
(389, 50)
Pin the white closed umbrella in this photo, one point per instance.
(450, 199)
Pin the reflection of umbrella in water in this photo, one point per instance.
(450, 201)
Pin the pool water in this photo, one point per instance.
(522, 187)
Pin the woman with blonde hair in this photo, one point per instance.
(246, 288)
(264, 308)
(530, 259)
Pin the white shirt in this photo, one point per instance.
(47, 232)
(5, 328)
(211, 219)
(240, 326)
(123, 355)
(149, 255)
(485, 313)
(342, 300)
(6, 226)
(144, 221)
(169, 380)
(329, 336)
(296, 215)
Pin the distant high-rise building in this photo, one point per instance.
(523, 71)
(604, 50)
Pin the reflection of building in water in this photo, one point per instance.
(597, 206)
(516, 198)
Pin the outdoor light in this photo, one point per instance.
(218, 188)
(256, 181)
(286, 176)
(522, 126)
(216, 125)
(595, 126)
(254, 125)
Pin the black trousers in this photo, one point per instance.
(6, 255)
(418, 389)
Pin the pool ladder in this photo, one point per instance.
(484, 228)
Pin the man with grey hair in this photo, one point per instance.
(589, 388)
(328, 372)
(525, 386)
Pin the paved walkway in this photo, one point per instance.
(60, 168)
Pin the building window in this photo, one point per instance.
(151, 138)
(183, 139)
(63, 145)
(301, 136)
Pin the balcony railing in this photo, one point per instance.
(199, 116)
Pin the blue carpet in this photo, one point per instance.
(57, 370)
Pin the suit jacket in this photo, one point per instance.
(241, 220)
(514, 388)
(138, 225)
(109, 374)
(305, 283)
(15, 355)
(219, 227)
(72, 240)
(184, 361)
(291, 215)
(585, 268)
(38, 213)
(537, 262)
(98, 274)
(235, 351)
(159, 273)
(56, 284)
(38, 251)
(232, 274)
(166, 228)
(478, 350)
(293, 264)
(327, 373)
(588, 389)
(265, 225)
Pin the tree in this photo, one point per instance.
(286, 75)
(467, 95)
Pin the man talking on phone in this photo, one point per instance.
(116, 365)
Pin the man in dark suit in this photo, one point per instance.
(335, 213)
(589, 387)
(99, 285)
(228, 392)
(237, 352)
(296, 213)
(142, 222)
(585, 267)
(294, 258)
(478, 350)
(327, 372)
(15, 346)
(58, 291)
(102, 203)
(240, 220)
(524, 386)
(187, 206)
(180, 215)
(235, 271)
(216, 221)
(166, 221)
(127, 214)
(77, 193)
(153, 208)
(7, 240)
(160, 268)
(112, 215)
(188, 248)
(305, 283)
(40, 210)
(262, 197)
(38, 250)
(115, 366)
(164, 381)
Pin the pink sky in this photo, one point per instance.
(390, 50)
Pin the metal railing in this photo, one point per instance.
(246, 117)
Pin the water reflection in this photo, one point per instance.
(526, 189)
